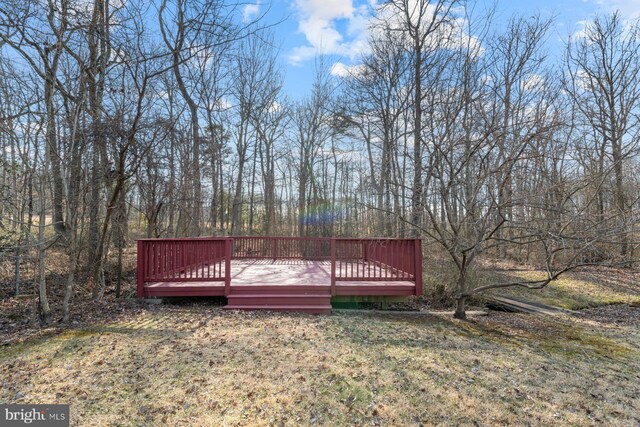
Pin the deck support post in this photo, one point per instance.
(227, 267)
(141, 272)
(417, 274)
(333, 267)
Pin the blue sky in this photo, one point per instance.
(338, 28)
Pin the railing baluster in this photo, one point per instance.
(399, 272)
(159, 260)
(170, 260)
(388, 269)
(366, 264)
(154, 253)
(153, 258)
(350, 258)
(181, 261)
(191, 260)
(176, 259)
(150, 260)
(187, 260)
(164, 268)
(200, 264)
(227, 266)
(215, 257)
(149, 268)
(407, 260)
(159, 263)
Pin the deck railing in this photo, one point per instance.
(183, 260)
(375, 259)
(372, 260)
(258, 247)
(208, 259)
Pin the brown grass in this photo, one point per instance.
(198, 365)
(585, 288)
(592, 287)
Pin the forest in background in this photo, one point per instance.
(121, 120)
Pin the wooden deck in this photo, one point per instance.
(283, 273)
(279, 273)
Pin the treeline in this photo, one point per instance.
(128, 119)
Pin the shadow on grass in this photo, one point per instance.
(548, 338)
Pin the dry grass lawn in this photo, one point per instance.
(196, 365)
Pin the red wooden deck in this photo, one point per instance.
(279, 273)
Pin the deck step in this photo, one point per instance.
(280, 301)
(312, 309)
(264, 289)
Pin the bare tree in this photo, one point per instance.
(424, 23)
(377, 96)
(602, 75)
(310, 120)
(39, 35)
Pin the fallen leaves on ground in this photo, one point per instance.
(199, 365)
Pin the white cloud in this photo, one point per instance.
(629, 16)
(629, 9)
(452, 34)
(222, 104)
(274, 107)
(325, 9)
(301, 54)
(533, 82)
(341, 70)
(581, 33)
(250, 11)
(337, 27)
(318, 20)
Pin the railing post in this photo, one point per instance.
(227, 267)
(333, 267)
(275, 248)
(417, 273)
(365, 250)
(141, 272)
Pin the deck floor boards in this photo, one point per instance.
(280, 272)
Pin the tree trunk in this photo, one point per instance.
(461, 298)
(460, 312)
(54, 159)
(44, 309)
(416, 194)
(68, 291)
(620, 198)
